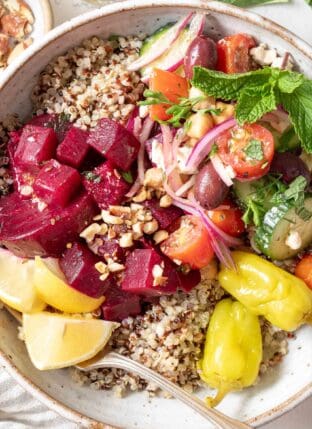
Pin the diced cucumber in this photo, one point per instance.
(277, 225)
(149, 41)
(276, 135)
(247, 191)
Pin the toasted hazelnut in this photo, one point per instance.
(165, 201)
(110, 219)
(153, 177)
(126, 240)
(141, 196)
(101, 267)
(160, 236)
(90, 232)
(150, 227)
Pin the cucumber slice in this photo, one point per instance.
(250, 191)
(150, 40)
(277, 225)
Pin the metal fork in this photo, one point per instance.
(114, 360)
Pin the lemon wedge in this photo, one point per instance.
(17, 289)
(52, 288)
(57, 341)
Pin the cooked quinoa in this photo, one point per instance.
(91, 82)
(88, 83)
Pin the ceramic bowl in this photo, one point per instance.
(279, 390)
(43, 22)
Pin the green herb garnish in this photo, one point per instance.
(254, 150)
(127, 176)
(261, 91)
(179, 112)
(90, 175)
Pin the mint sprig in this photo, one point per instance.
(261, 91)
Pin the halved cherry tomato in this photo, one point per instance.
(249, 150)
(190, 243)
(304, 270)
(172, 86)
(228, 217)
(233, 53)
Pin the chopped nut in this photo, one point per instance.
(160, 236)
(110, 219)
(120, 211)
(157, 273)
(150, 227)
(90, 232)
(137, 229)
(101, 267)
(136, 207)
(114, 267)
(104, 276)
(104, 229)
(153, 177)
(69, 245)
(126, 240)
(165, 201)
(141, 196)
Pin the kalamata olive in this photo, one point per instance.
(289, 166)
(201, 52)
(209, 190)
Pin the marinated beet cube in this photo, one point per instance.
(36, 144)
(115, 142)
(119, 305)
(164, 215)
(189, 280)
(106, 185)
(145, 269)
(59, 123)
(57, 184)
(78, 266)
(74, 148)
(111, 249)
(26, 231)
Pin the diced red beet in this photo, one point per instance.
(164, 215)
(190, 280)
(106, 185)
(138, 275)
(74, 148)
(36, 144)
(59, 124)
(57, 184)
(27, 231)
(115, 142)
(78, 266)
(111, 248)
(119, 305)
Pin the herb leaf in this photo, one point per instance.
(127, 176)
(254, 150)
(252, 106)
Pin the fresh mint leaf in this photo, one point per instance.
(229, 86)
(251, 107)
(299, 106)
(254, 150)
(293, 194)
(289, 81)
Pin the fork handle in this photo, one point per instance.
(114, 360)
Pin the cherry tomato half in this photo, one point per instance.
(228, 218)
(169, 84)
(233, 53)
(249, 150)
(304, 270)
(190, 243)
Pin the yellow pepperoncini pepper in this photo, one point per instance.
(233, 349)
(283, 299)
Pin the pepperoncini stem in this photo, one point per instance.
(221, 393)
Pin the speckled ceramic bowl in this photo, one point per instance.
(279, 390)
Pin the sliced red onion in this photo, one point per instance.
(217, 235)
(167, 145)
(279, 120)
(221, 170)
(203, 147)
(162, 44)
(142, 137)
(173, 58)
(133, 115)
(185, 187)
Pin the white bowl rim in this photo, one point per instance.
(56, 33)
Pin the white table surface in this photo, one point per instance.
(17, 408)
